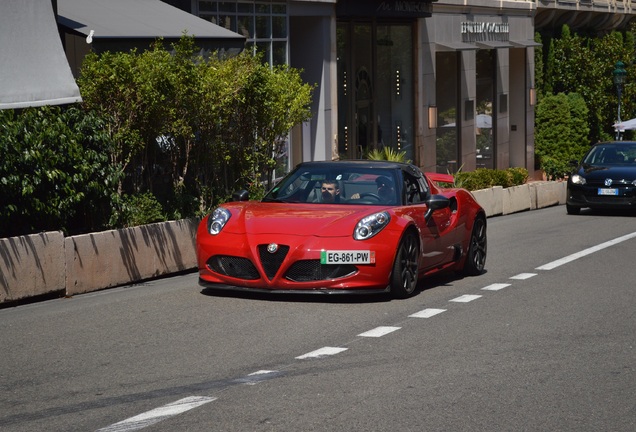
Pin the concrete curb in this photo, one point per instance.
(498, 201)
(47, 263)
(111, 258)
(31, 265)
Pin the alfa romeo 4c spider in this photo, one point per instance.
(343, 227)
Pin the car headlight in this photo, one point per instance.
(218, 219)
(577, 179)
(371, 225)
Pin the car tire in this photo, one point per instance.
(405, 272)
(572, 210)
(477, 249)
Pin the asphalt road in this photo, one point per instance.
(538, 343)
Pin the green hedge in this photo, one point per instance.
(161, 134)
(484, 178)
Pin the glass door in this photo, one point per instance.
(485, 116)
(375, 88)
(446, 88)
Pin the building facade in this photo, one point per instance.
(448, 82)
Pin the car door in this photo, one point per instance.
(436, 233)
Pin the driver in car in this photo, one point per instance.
(330, 191)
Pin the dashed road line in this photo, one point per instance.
(523, 276)
(322, 352)
(158, 414)
(259, 376)
(465, 298)
(496, 287)
(379, 331)
(427, 313)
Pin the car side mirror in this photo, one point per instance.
(241, 195)
(434, 203)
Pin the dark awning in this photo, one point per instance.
(493, 44)
(33, 67)
(131, 19)
(524, 43)
(454, 46)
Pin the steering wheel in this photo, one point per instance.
(370, 195)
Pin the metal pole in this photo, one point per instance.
(619, 79)
(618, 129)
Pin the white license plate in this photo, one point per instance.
(604, 191)
(347, 257)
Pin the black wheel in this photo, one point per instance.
(476, 258)
(572, 210)
(405, 268)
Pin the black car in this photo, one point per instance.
(605, 179)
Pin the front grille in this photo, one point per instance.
(237, 267)
(312, 270)
(272, 261)
(620, 200)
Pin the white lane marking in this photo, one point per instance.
(158, 414)
(496, 287)
(258, 376)
(523, 276)
(379, 331)
(322, 352)
(554, 264)
(427, 313)
(465, 298)
(262, 372)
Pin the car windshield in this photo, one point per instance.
(611, 154)
(335, 185)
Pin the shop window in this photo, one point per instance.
(485, 109)
(446, 88)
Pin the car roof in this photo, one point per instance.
(620, 143)
(357, 164)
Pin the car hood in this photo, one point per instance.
(322, 220)
(615, 172)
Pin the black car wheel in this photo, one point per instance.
(476, 259)
(405, 268)
(572, 210)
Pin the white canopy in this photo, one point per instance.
(33, 66)
(626, 125)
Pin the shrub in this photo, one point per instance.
(55, 171)
(388, 154)
(483, 178)
(222, 122)
(141, 209)
(561, 133)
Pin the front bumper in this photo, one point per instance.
(238, 262)
(313, 291)
(588, 196)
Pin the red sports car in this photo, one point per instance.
(343, 227)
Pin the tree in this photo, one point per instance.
(583, 65)
(561, 134)
(208, 126)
